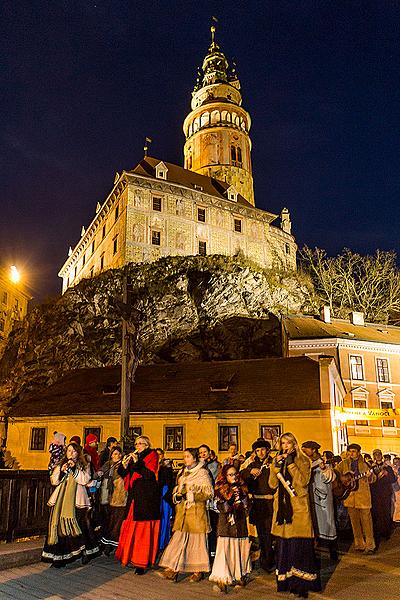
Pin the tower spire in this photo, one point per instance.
(217, 128)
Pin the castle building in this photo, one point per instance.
(206, 207)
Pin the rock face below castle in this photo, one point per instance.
(192, 308)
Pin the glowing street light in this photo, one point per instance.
(15, 275)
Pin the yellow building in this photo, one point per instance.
(368, 358)
(186, 404)
(14, 300)
(161, 209)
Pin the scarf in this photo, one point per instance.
(194, 480)
(285, 509)
(95, 459)
(63, 520)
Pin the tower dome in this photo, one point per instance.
(217, 128)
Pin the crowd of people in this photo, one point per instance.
(280, 507)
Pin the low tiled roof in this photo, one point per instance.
(271, 384)
(191, 180)
(308, 327)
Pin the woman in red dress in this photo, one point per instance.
(138, 541)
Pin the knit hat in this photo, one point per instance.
(311, 444)
(76, 439)
(91, 438)
(354, 447)
(261, 444)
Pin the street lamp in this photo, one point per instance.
(15, 275)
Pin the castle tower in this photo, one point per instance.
(217, 128)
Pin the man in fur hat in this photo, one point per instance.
(358, 502)
(256, 475)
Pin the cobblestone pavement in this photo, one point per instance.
(354, 577)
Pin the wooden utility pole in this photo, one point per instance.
(125, 379)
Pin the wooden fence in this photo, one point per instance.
(23, 503)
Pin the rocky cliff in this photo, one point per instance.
(189, 308)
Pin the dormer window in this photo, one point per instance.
(232, 194)
(161, 171)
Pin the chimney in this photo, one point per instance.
(357, 318)
(325, 314)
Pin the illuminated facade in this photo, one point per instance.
(14, 300)
(206, 207)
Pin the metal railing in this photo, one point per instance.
(23, 503)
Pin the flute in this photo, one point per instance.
(129, 457)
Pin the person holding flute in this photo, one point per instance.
(138, 541)
(296, 568)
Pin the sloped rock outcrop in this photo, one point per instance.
(190, 308)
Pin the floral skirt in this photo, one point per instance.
(296, 568)
(138, 542)
(186, 553)
(68, 548)
(232, 560)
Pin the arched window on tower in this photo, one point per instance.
(236, 156)
(239, 156)
(233, 155)
(189, 161)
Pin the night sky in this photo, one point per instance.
(83, 83)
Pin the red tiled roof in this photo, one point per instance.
(270, 384)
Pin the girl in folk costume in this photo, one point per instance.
(70, 534)
(113, 498)
(232, 562)
(187, 550)
(290, 472)
(56, 449)
(138, 541)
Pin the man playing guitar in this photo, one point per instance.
(358, 503)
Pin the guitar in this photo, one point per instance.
(346, 483)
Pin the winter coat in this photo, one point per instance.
(113, 490)
(360, 498)
(261, 508)
(142, 486)
(232, 518)
(321, 499)
(82, 479)
(301, 525)
(190, 496)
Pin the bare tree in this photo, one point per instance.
(351, 281)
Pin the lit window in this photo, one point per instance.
(115, 245)
(156, 238)
(94, 430)
(134, 432)
(202, 248)
(387, 422)
(356, 368)
(201, 215)
(360, 403)
(38, 438)
(238, 225)
(382, 370)
(173, 438)
(239, 156)
(157, 204)
(227, 435)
